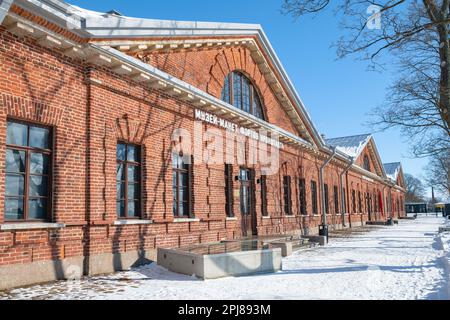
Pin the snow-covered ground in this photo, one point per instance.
(402, 262)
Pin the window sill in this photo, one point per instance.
(31, 226)
(183, 220)
(232, 219)
(267, 217)
(132, 222)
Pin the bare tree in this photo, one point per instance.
(438, 173)
(416, 34)
(415, 189)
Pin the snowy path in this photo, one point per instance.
(402, 262)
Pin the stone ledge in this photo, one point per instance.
(232, 219)
(132, 222)
(183, 220)
(30, 226)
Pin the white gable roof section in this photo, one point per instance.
(392, 170)
(352, 145)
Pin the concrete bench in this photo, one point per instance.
(285, 246)
(321, 240)
(214, 266)
(444, 229)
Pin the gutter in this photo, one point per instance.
(341, 180)
(322, 186)
(5, 5)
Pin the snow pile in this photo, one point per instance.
(445, 241)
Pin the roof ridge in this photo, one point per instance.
(352, 136)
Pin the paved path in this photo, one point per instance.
(401, 262)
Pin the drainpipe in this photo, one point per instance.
(322, 187)
(390, 202)
(342, 190)
(4, 8)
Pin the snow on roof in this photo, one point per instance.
(352, 145)
(392, 170)
(108, 24)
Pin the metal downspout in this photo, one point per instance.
(322, 187)
(342, 191)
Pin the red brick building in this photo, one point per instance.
(120, 135)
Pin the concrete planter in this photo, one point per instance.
(221, 265)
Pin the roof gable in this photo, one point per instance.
(394, 172)
(351, 145)
(358, 147)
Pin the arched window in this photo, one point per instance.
(239, 92)
(366, 163)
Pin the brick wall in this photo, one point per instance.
(90, 117)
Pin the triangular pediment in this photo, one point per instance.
(362, 149)
(370, 154)
(243, 48)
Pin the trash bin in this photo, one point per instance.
(323, 231)
(390, 222)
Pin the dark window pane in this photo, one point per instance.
(132, 209)
(244, 198)
(39, 138)
(244, 175)
(175, 204)
(15, 161)
(185, 209)
(132, 154)
(237, 92)
(133, 174)
(37, 209)
(39, 163)
(120, 174)
(245, 95)
(38, 186)
(120, 191)
(133, 191)
(174, 179)
(226, 90)
(120, 208)
(182, 194)
(17, 134)
(257, 106)
(177, 161)
(183, 177)
(15, 185)
(121, 151)
(14, 209)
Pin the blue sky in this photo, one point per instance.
(337, 93)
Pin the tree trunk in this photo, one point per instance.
(444, 97)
